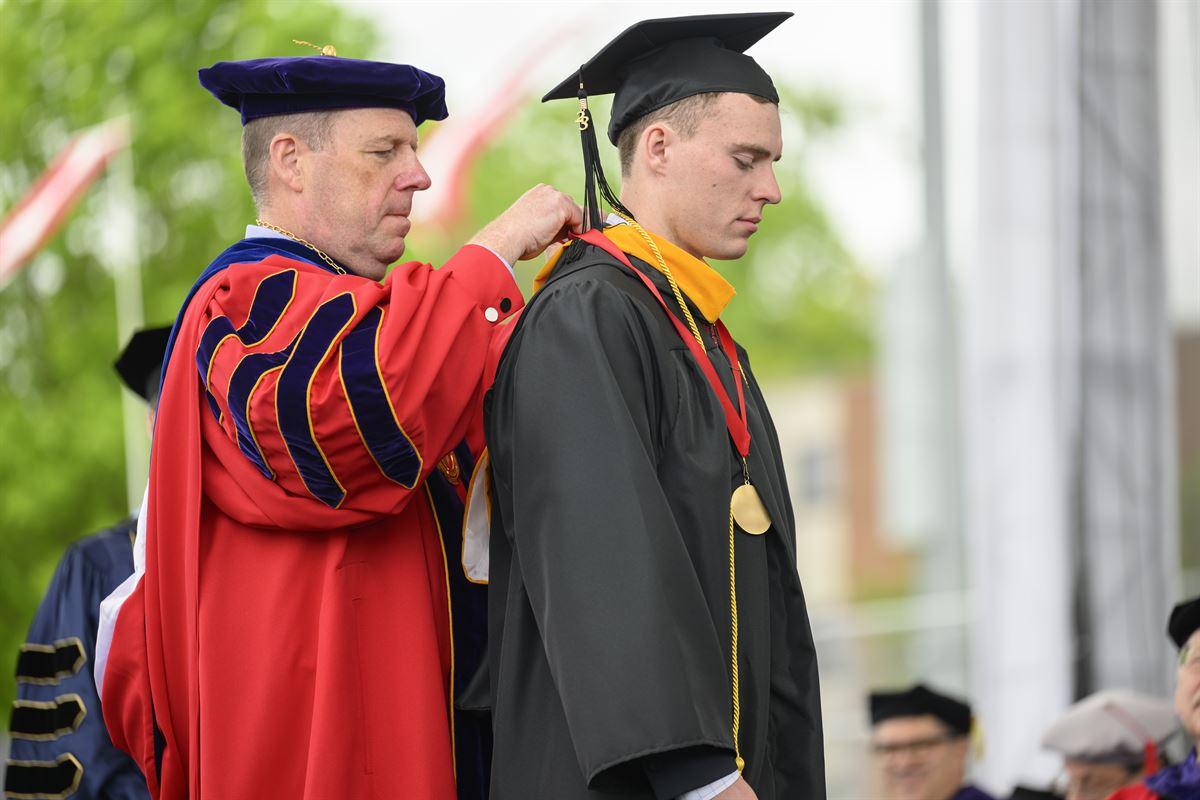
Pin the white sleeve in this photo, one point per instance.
(713, 789)
(499, 257)
(110, 607)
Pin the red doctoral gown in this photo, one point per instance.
(291, 634)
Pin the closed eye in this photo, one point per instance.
(751, 153)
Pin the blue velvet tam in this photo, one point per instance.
(268, 87)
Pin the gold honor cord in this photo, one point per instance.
(733, 609)
(662, 265)
(262, 223)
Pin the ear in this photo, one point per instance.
(657, 142)
(283, 155)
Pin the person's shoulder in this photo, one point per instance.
(245, 263)
(88, 569)
(590, 302)
(105, 551)
(583, 263)
(252, 275)
(590, 282)
(236, 270)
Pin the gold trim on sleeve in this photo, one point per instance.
(450, 622)
(70, 790)
(51, 649)
(48, 705)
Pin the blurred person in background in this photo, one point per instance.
(921, 741)
(1109, 740)
(60, 747)
(302, 627)
(621, 665)
(1179, 781)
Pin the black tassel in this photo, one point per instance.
(595, 186)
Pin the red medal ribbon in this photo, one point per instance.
(735, 418)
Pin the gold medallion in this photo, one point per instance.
(748, 510)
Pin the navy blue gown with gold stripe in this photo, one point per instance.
(60, 747)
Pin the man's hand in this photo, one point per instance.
(739, 791)
(539, 217)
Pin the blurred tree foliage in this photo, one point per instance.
(68, 66)
(803, 304)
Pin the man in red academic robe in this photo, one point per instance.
(289, 631)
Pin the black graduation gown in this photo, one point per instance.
(609, 612)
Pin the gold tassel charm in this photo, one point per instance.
(584, 119)
(325, 50)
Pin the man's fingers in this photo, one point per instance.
(540, 216)
(570, 215)
(574, 216)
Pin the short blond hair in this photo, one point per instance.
(312, 128)
(683, 116)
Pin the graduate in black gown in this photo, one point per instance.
(622, 420)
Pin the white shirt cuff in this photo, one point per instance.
(498, 258)
(711, 790)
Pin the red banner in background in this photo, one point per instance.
(36, 216)
(457, 143)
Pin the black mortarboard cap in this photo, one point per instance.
(1185, 619)
(657, 62)
(266, 87)
(919, 701)
(660, 61)
(140, 363)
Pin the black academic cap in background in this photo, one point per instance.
(658, 61)
(140, 363)
(1185, 619)
(920, 701)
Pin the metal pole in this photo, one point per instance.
(939, 655)
(931, 117)
(119, 252)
